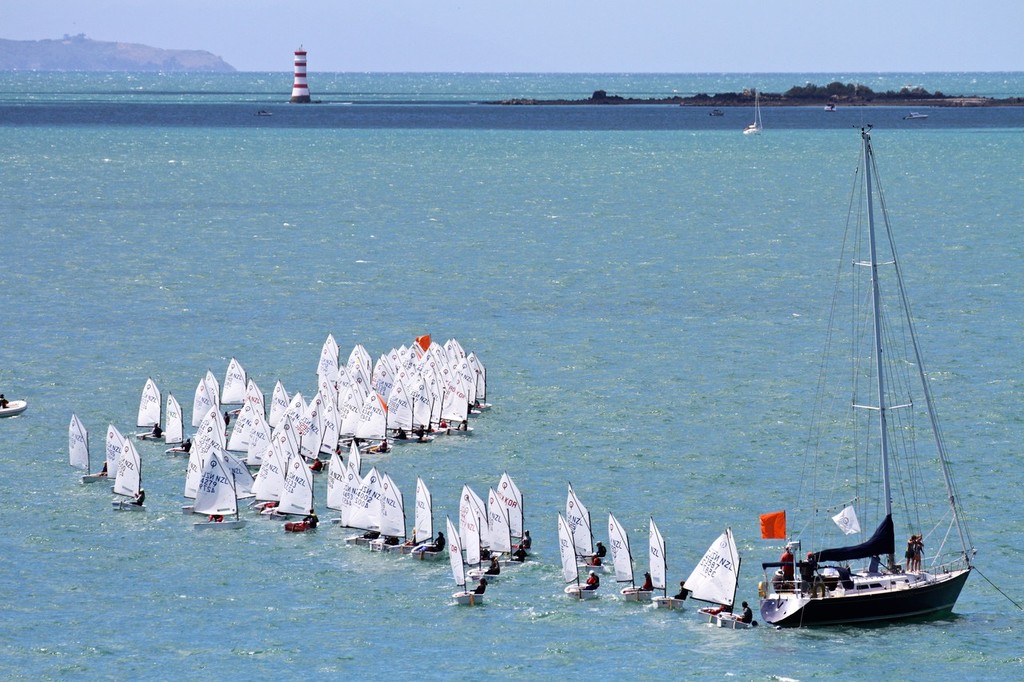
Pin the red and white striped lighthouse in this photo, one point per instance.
(300, 89)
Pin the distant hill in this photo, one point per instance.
(78, 53)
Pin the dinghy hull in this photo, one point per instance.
(468, 598)
(219, 525)
(577, 592)
(667, 603)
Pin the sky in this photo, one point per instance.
(571, 36)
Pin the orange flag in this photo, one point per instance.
(423, 341)
(773, 525)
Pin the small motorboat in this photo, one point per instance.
(913, 115)
(716, 112)
(13, 407)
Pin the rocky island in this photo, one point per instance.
(78, 53)
(801, 95)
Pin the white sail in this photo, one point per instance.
(129, 471)
(471, 513)
(656, 554)
(203, 402)
(365, 510)
(454, 404)
(309, 427)
(297, 496)
(399, 407)
(392, 509)
(327, 368)
(373, 418)
(353, 481)
(235, 381)
(259, 440)
(174, 429)
(422, 403)
(279, 402)
(193, 474)
(337, 473)
(214, 387)
(240, 473)
(567, 551)
(247, 416)
(269, 483)
(715, 577)
(423, 529)
(210, 432)
(78, 444)
(216, 490)
(254, 395)
(481, 376)
(621, 556)
(510, 496)
(149, 405)
(455, 555)
(499, 535)
(578, 518)
(472, 535)
(331, 426)
(114, 445)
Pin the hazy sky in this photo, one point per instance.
(553, 35)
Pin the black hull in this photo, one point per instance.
(931, 599)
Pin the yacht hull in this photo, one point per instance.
(935, 597)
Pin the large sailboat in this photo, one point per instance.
(888, 404)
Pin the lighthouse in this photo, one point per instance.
(300, 89)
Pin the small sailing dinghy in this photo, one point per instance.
(578, 518)
(426, 550)
(659, 570)
(217, 495)
(78, 445)
(570, 569)
(128, 483)
(174, 428)
(149, 411)
(622, 559)
(891, 402)
(464, 597)
(714, 579)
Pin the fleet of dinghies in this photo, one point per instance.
(410, 393)
(271, 455)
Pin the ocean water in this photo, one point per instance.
(649, 297)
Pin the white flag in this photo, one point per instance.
(847, 521)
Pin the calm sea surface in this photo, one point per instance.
(646, 286)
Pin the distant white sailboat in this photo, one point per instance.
(756, 127)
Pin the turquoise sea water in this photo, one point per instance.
(649, 301)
